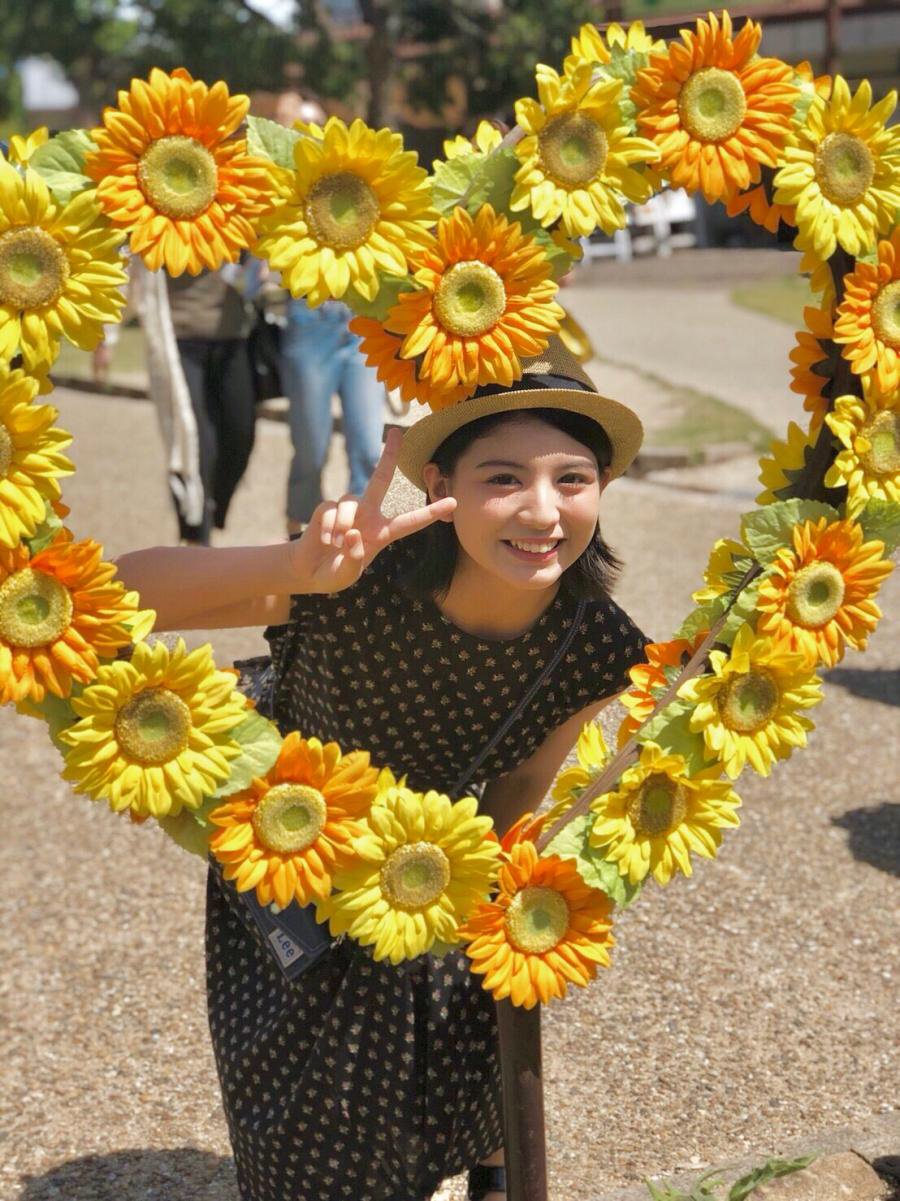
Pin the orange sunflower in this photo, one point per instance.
(818, 595)
(762, 210)
(650, 678)
(61, 612)
(868, 319)
(285, 835)
(813, 362)
(545, 928)
(381, 350)
(169, 171)
(485, 299)
(717, 111)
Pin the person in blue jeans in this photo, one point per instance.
(320, 356)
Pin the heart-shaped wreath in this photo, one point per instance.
(453, 278)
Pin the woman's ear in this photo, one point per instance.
(605, 477)
(437, 485)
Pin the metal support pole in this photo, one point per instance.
(524, 1138)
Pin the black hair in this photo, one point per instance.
(592, 574)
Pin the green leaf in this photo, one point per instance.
(260, 743)
(270, 140)
(743, 610)
(625, 64)
(481, 178)
(880, 519)
(45, 532)
(671, 730)
(60, 163)
(191, 834)
(771, 1170)
(56, 712)
(572, 842)
(766, 529)
(390, 288)
(703, 617)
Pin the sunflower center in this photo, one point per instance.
(470, 299)
(886, 315)
(179, 177)
(6, 451)
(341, 210)
(658, 807)
(572, 149)
(290, 817)
(712, 104)
(747, 702)
(844, 168)
(415, 875)
(33, 268)
(154, 726)
(35, 608)
(815, 594)
(537, 919)
(883, 435)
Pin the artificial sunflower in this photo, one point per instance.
(589, 45)
(170, 173)
(592, 755)
(284, 835)
(717, 111)
(421, 866)
(729, 560)
(814, 361)
(21, 148)
(841, 171)
(659, 815)
(61, 273)
(155, 731)
(355, 205)
(485, 300)
(381, 350)
(760, 207)
(578, 160)
(749, 706)
(779, 473)
(61, 612)
(487, 138)
(868, 463)
(867, 322)
(31, 458)
(544, 929)
(651, 679)
(817, 596)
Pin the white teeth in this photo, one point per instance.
(535, 548)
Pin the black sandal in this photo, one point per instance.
(486, 1178)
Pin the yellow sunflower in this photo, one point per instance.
(31, 458)
(485, 299)
(487, 138)
(841, 172)
(284, 835)
(659, 815)
(356, 204)
(61, 273)
(578, 160)
(813, 362)
(868, 463)
(419, 869)
(817, 596)
(592, 755)
(170, 173)
(780, 472)
(155, 731)
(749, 706)
(61, 611)
(716, 110)
(867, 323)
(21, 148)
(544, 930)
(589, 45)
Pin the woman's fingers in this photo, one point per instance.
(347, 508)
(380, 480)
(408, 523)
(325, 516)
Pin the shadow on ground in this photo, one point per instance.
(176, 1174)
(873, 684)
(874, 835)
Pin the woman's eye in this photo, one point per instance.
(574, 478)
(503, 480)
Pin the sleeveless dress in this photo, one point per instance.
(359, 1081)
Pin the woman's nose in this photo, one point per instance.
(540, 506)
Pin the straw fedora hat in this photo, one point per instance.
(552, 380)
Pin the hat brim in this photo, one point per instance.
(622, 425)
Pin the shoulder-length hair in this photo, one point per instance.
(592, 574)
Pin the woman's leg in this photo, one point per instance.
(362, 403)
(234, 414)
(194, 355)
(310, 372)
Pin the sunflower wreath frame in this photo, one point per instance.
(452, 276)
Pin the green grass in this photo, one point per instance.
(783, 298)
(704, 420)
(129, 358)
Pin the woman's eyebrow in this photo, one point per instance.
(581, 463)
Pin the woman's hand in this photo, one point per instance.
(343, 537)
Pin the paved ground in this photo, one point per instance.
(748, 1007)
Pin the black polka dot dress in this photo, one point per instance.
(359, 1081)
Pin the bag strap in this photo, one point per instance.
(522, 703)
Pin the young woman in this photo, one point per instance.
(413, 637)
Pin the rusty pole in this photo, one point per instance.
(524, 1138)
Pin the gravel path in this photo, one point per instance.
(747, 1006)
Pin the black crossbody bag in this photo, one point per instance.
(293, 936)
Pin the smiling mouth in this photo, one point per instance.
(534, 548)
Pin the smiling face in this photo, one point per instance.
(527, 502)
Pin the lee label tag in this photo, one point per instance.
(285, 947)
(297, 940)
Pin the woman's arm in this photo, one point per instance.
(524, 788)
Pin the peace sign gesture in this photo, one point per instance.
(343, 537)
